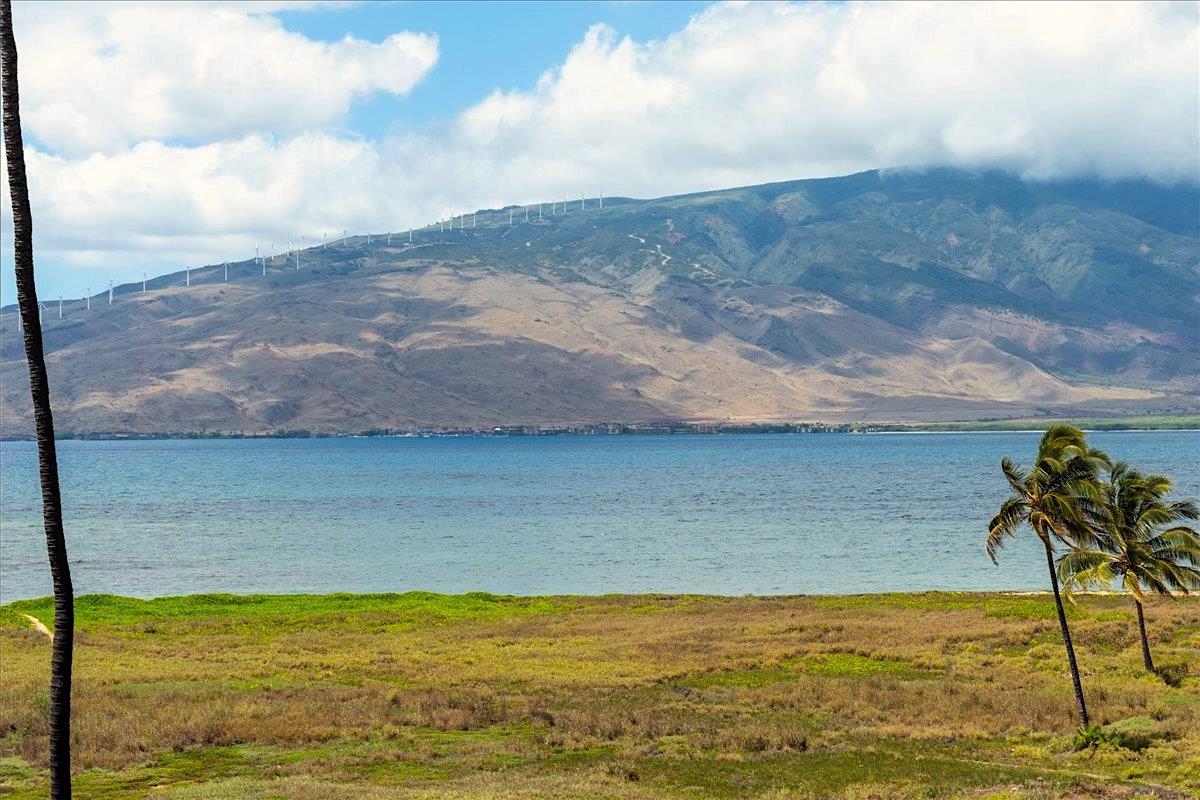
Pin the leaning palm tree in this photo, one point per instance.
(1059, 498)
(27, 302)
(1140, 544)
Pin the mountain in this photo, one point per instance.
(894, 295)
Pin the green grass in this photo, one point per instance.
(418, 695)
(892, 768)
(412, 607)
(852, 665)
(999, 605)
(828, 665)
(11, 618)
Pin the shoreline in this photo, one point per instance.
(1181, 424)
(248, 598)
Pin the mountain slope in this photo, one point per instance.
(937, 295)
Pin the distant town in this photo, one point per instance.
(664, 428)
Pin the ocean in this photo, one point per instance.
(722, 514)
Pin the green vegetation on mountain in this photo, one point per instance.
(910, 297)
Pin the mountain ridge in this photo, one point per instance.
(881, 296)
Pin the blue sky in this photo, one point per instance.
(483, 46)
(161, 135)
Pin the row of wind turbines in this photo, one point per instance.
(291, 256)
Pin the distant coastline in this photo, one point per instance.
(676, 428)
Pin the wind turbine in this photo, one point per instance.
(110, 293)
(143, 281)
(89, 300)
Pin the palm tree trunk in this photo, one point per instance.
(1080, 704)
(62, 649)
(1146, 660)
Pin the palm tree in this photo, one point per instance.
(61, 653)
(1059, 499)
(1140, 544)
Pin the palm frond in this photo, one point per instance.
(1185, 509)
(1176, 544)
(1015, 476)
(1137, 535)
(1012, 513)
(1180, 578)
(1083, 569)
(1133, 585)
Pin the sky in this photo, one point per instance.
(160, 135)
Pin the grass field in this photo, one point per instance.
(476, 696)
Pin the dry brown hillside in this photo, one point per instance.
(646, 311)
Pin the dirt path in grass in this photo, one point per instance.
(39, 626)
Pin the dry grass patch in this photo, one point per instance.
(421, 695)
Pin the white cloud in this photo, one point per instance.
(770, 91)
(743, 94)
(104, 77)
(202, 204)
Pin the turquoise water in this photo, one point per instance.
(715, 514)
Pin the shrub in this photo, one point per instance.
(1135, 734)
(1088, 736)
(1173, 674)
